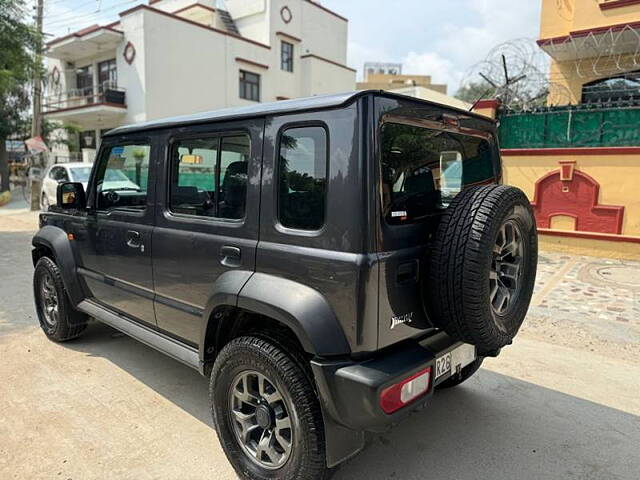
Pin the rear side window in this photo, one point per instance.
(302, 171)
(209, 176)
(422, 170)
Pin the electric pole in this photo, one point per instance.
(36, 122)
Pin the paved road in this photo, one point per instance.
(563, 402)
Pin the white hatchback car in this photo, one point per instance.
(76, 172)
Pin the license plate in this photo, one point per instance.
(457, 358)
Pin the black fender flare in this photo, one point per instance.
(224, 293)
(299, 307)
(304, 310)
(56, 240)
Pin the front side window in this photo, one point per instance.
(122, 177)
(209, 176)
(286, 56)
(422, 169)
(249, 86)
(302, 171)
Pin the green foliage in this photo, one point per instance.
(474, 91)
(18, 41)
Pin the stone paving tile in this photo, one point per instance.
(587, 302)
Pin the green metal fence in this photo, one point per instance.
(571, 127)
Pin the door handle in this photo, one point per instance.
(230, 256)
(133, 239)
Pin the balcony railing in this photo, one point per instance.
(105, 94)
(564, 127)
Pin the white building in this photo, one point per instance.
(175, 57)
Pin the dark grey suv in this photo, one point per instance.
(328, 262)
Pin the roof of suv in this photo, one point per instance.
(271, 108)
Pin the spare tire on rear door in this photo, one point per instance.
(482, 266)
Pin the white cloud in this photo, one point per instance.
(497, 21)
(358, 54)
(439, 68)
(443, 40)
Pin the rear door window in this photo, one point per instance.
(423, 169)
(209, 176)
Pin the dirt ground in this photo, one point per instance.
(562, 402)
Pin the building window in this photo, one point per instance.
(302, 171)
(210, 177)
(249, 86)
(620, 88)
(107, 73)
(84, 81)
(286, 56)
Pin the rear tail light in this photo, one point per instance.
(403, 393)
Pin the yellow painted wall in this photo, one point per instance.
(386, 81)
(563, 222)
(556, 18)
(618, 175)
(591, 247)
(487, 112)
(619, 178)
(573, 75)
(559, 17)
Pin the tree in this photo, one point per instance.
(474, 91)
(18, 41)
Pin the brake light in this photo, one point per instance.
(405, 392)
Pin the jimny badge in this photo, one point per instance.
(400, 319)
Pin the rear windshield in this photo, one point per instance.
(422, 169)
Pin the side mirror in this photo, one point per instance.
(71, 195)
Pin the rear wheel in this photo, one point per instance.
(266, 412)
(58, 320)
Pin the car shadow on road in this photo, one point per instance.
(181, 385)
(492, 427)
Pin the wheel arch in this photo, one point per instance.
(52, 242)
(265, 302)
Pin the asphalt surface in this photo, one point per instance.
(563, 402)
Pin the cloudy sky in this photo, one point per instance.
(439, 38)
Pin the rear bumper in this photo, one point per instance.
(350, 391)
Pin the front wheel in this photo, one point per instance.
(58, 320)
(266, 412)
